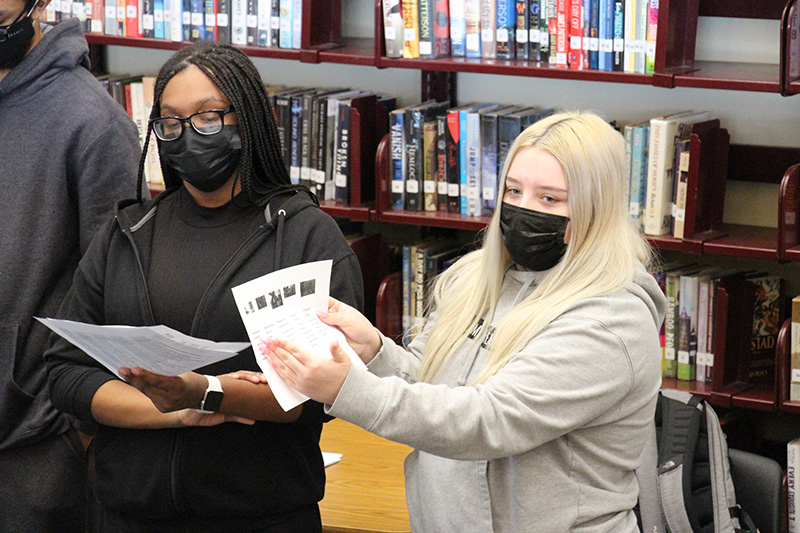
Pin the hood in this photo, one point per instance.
(645, 287)
(63, 47)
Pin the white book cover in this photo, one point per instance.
(264, 22)
(393, 28)
(176, 16)
(793, 496)
(658, 207)
(239, 22)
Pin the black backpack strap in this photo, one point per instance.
(746, 523)
(681, 416)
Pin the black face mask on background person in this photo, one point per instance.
(205, 161)
(534, 240)
(15, 40)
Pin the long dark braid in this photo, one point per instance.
(262, 171)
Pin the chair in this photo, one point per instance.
(758, 482)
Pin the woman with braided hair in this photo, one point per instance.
(169, 452)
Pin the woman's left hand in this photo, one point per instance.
(318, 378)
(168, 393)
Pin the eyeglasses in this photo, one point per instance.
(203, 122)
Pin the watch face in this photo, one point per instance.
(212, 401)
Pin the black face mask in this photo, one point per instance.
(534, 240)
(15, 40)
(205, 161)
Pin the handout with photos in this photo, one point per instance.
(284, 305)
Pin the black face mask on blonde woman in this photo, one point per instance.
(534, 240)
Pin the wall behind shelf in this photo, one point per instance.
(751, 118)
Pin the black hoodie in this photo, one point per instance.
(231, 474)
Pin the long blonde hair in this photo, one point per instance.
(603, 250)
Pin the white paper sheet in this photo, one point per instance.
(158, 349)
(330, 458)
(283, 305)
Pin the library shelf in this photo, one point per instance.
(352, 51)
(757, 77)
(753, 242)
(513, 67)
(668, 242)
(434, 219)
(695, 387)
(757, 398)
(356, 213)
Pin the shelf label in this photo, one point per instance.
(412, 186)
(442, 188)
(429, 186)
(397, 186)
(452, 190)
(683, 357)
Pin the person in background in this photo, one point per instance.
(529, 394)
(68, 152)
(229, 214)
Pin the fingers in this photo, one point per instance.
(338, 353)
(247, 375)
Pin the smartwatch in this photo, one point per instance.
(212, 399)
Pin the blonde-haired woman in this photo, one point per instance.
(530, 391)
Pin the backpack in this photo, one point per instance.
(685, 482)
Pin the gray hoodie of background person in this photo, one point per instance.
(67, 153)
(549, 443)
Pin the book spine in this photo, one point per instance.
(638, 174)
(441, 29)
(411, 29)
(210, 20)
(657, 211)
(766, 323)
(414, 165)
(681, 180)
(630, 35)
(331, 133)
(474, 202)
(186, 20)
(488, 25)
(148, 19)
(275, 24)
(562, 33)
(252, 22)
(792, 493)
(393, 28)
(544, 34)
(472, 17)
(319, 146)
(285, 23)
(640, 50)
(575, 33)
(406, 306)
(534, 7)
(605, 59)
(198, 20)
(295, 138)
(618, 55)
(594, 34)
(305, 140)
(521, 29)
(504, 37)
(397, 152)
(297, 24)
(462, 163)
(712, 327)
(453, 159)
(132, 19)
(429, 178)
(687, 328)
(264, 22)
(488, 163)
(342, 176)
(110, 18)
(223, 21)
(794, 374)
(652, 33)
(441, 163)
(458, 28)
(425, 29)
(702, 327)
(670, 326)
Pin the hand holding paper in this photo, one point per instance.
(284, 305)
(319, 378)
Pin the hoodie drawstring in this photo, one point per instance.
(279, 239)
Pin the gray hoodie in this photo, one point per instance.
(67, 153)
(549, 443)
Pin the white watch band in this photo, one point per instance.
(214, 386)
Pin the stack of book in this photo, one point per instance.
(265, 23)
(449, 159)
(579, 34)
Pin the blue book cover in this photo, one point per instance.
(285, 37)
(462, 152)
(506, 20)
(397, 152)
(639, 172)
(158, 19)
(605, 59)
(198, 20)
(167, 19)
(458, 28)
(594, 34)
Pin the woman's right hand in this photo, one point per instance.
(359, 332)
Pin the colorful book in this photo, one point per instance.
(410, 10)
(397, 134)
(393, 28)
(506, 21)
(458, 28)
(472, 17)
